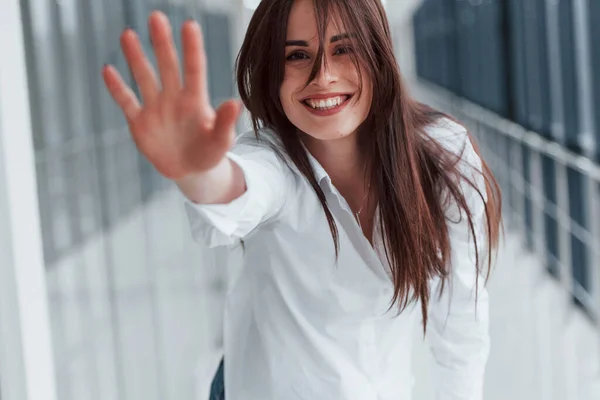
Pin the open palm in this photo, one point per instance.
(174, 126)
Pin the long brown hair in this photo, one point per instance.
(408, 172)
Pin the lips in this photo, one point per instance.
(326, 105)
(326, 102)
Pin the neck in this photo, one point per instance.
(342, 161)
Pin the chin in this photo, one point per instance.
(328, 128)
(328, 134)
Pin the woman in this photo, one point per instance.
(359, 209)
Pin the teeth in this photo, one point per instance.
(325, 104)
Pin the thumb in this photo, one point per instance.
(227, 115)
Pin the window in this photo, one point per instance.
(594, 15)
(536, 56)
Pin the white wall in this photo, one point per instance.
(26, 363)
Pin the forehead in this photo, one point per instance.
(302, 22)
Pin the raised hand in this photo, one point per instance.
(174, 126)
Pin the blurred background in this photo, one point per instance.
(103, 295)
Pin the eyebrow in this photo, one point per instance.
(304, 43)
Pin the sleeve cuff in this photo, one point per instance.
(223, 224)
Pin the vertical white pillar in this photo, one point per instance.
(26, 365)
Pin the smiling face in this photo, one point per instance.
(330, 106)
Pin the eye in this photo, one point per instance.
(297, 55)
(345, 49)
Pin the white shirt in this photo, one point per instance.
(299, 326)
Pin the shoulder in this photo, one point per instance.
(455, 139)
(265, 148)
(264, 144)
(265, 140)
(449, 134)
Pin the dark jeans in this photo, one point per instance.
(217, 388)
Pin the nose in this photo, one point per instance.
(327, 73)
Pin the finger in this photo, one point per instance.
(227, 115)
(194, 60)
(166, 54)
(120, 92)
(142, 69)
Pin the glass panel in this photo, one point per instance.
(536, 56)
(61, 234)
(217, 28)
(44, 57)
(518, 69)
(568, 74)
(579, 252)
(114, 25)
(74, 66)
(528, 206)
(595, 55)
(45, 205)
(550, 220)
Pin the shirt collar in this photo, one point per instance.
(320, 173)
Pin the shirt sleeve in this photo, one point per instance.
(267, 186)
(458, 325)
